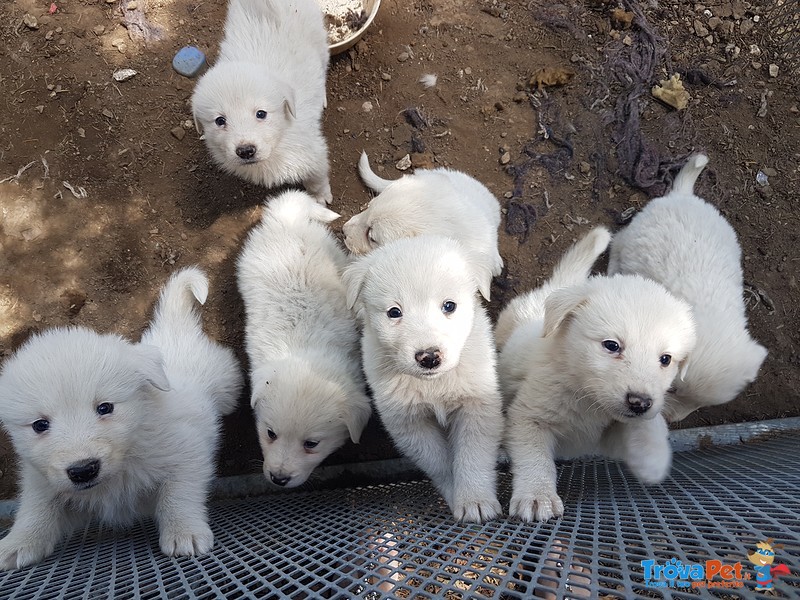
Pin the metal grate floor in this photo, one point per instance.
(399, 540)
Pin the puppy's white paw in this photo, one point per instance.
(193, 541)
(16, 554)
(540, 507)
(477, 510)
(652, 468)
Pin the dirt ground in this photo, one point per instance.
(561, 159)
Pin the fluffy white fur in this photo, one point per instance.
(302, 340)
(686, 245)
(132, 428)
(438, 202)
(595, 378)
(274, 59)
(417, 298)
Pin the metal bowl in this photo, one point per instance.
(371, 9)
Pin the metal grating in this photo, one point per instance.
(399, 540)
(783, 19)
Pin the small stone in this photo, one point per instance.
(123, 74)
(755, 50)
(386, 77)
(746, 26)
(178, 133)
(132, 6)
(773, 70)
(508, 195)
(59, 30)
(81, 132)
(756, 19)
(62, 42)
(40, 108)
(367, 106)
(520, 97)
(505, 158)
(738, 9)
(585, 167)
(184, 237)
(756, 65)
(794, 108)
(49, 35)
(468, 71)
(700, 29)
(189, 61)
(770, 172)
(99, 30)
(422, 160)
(30, 21)
(403, 57)
(404, 164)
(709, 39)
(714, 22)
(108, 114)
(120, 45)
(627, 40)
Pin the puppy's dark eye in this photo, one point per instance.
(611, 346)
(220, 121)
(309, 444)
(665, 360)
(106, 408)
(261, 114)
(40, 425)
(271, 434)
(394, 313)
(449, 307)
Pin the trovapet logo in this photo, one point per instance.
(716, 574)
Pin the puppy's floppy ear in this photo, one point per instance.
(150, 364)
(559, 305)
(353, 277)
(357, 417)
(684, 368)
(481, 271)
(197, 125)
(262, 377)
(289, 106)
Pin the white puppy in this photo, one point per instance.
(438, 202)
(430, 362)
(687, 245)
(110, 430)
(599, 362)
(260, 106)
(302, 340)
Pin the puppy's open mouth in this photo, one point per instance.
(85, 486)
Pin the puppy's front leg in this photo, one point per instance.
(41, 522)
(643, 445)
(531, 448)
(419, 437)
(475, 439)
(181, 515)
(318, 182)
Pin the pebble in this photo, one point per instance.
(99, 30)
(108, 114)
(123, 74)
(700, 29)
(132, 6)
(49, 35)
(184, 237)
(30, 21)
(505, 158)
(755, 50)
(714, 22)
(468, 71)
(189, 61)
(404, 164)
(585, 167)
(746, 26)
(403, 57)
(386, 77)
(119, 44)
(773, 70)
(178, 132)
(770, 172)
(367, 106)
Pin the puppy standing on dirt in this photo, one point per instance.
(110, 430)
(430, 362)
(261, 104)
(598, 356)
(302, 339)
(438, 202)
(687, 245)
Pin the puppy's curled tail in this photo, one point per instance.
(576, 264)
(176, 305)
(687, 176)
(371, 180)
(294, 206)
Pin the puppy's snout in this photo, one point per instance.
(279, 479)
(246, 151)
(430, 358)
(638, 404)
(83, 472)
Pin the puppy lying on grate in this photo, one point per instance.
(438, 202)
(307, 386)
(260, 106)
(687, 245)
(586, 368)
(110, 430)
(430, 362)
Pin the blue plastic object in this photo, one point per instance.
(189, 61)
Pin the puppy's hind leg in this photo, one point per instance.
(318, 183)
(40, 524)
(475, 440)
(419, 437)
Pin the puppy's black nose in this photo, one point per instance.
(638, 404)
(430, 358)
(279, 480)
(246, 152)
(83, 472)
